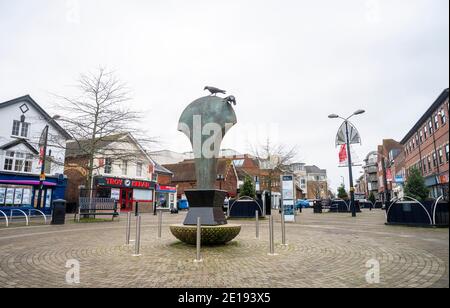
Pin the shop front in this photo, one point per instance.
(22, 191)
(127, 192)
(166, 197)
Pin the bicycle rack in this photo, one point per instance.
(24, 214)
(6, 218)
(40, 212)
(411, 199)
(435, 207)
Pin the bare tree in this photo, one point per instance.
(99, 116)
(274, 159)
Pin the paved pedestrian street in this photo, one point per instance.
(328, 250)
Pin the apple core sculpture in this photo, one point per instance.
(205, 122)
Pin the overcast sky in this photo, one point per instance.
(289, 63)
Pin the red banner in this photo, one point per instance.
(389, 177)
(343, 154)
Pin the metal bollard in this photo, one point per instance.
(271, 237)
(160, 224)
(128, 231)
(138, 237)
(199, 241)
(257, 224)
(283, 227)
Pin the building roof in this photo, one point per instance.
(427, 115)
(185, 171)
(17, 142)
(315, 169)
(47, 117)
(161, 169)
(81, 147)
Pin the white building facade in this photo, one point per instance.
(22, 122)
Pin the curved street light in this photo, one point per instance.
(352, 189)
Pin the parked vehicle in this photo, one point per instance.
(183, 204)
(302, 204)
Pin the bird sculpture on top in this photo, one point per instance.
(214, 91)
(230, 100)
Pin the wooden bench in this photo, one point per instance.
(96, 207)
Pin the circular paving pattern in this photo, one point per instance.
(315, 257)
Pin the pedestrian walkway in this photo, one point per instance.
(327, 250)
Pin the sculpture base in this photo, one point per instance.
(206, 204)
(211, 235)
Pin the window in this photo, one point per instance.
(139, 169)
(124, 167)
(429, 163)
(16, 128)
(20, 129)
(447, 150)
(9, 160)
(24, 131)
(19, 162)
(434, 159)
(441, 156)
(108, 165)
(430, 127)
(424, 163)
(436, 122)
(425, 132)
(28, 163)
(421, 137)
(443, 118)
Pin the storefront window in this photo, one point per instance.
(15, 195)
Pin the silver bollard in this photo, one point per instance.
(271, 237)
(199, 241)
(283, 227)
(257, 224)
(138, 237)
(160, 224)
(128, 231)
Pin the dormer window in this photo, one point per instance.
(20, 128)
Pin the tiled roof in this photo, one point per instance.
(185, 171)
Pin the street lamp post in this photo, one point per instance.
(43, 156)
(349, 156)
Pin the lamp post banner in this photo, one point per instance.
(353, 135)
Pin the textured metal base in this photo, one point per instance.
(206, 204)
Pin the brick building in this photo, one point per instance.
(386, 155)
(426, 146)
(184, 176)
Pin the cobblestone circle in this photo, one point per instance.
(328, 250)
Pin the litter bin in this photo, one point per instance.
(59, 212)
(317, 207)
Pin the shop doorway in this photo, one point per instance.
(126, 200)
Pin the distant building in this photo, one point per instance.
(184, 176)
(387, 152)
(370, 174)
(426, 146)
(317, 183)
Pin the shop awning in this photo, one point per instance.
(26, 182)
